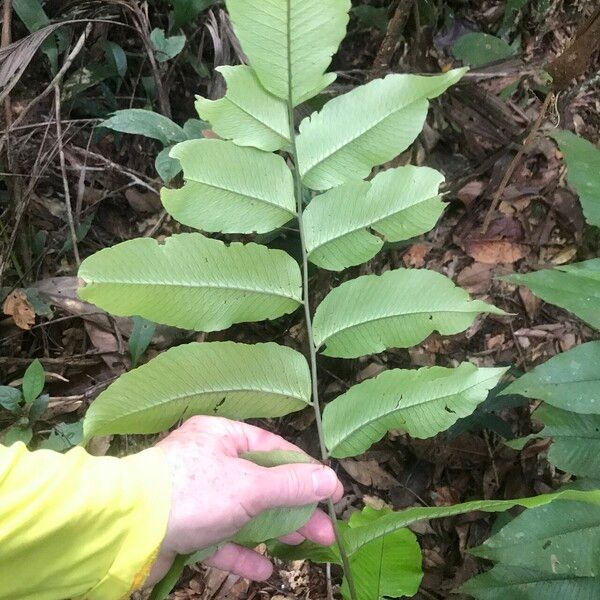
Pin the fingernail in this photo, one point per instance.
(324, 483)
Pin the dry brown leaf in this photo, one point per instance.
(492, 252)
(144, 202)
(470, 192)
(415, 255)
(19, 308)
(530, 302)
(475, 278)
(368, 472)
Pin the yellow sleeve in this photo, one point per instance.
(79, 526)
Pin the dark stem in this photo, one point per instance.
(307, 314)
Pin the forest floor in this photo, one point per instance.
(472, 135)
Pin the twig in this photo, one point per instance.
(63, 168)
(381, 64)
(515, 162)
(50, 87)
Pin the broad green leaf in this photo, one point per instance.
(422, 402)
(147, 123)
(193, 282)
(575, 288)
(576, 440)
(10, 397)
(248, 114)
(167, 168)
(289, 43)
(166, 48)
(276, 522)
(583, 172)
(570, 380)
(356, 538)
(397, 204)
(516, 583)
(140, 338)
(395, 310)
(478, 49)
(227, 379)
(33, 381)
(230, 189)
(366, 127)
(561, 538)
(387, 567)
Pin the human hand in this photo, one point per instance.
(215, 493)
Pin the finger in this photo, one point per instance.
(247, 438)
(292, 539)
(241, 561)
(318, 529)
(290, 485)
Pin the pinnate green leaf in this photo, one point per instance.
(357, 538)
(422, 402)
(230, 189)
(575, 440)
(395, 310)
(583, 171)
(575, 288)
(227, 379)
(248, 114)
(289, 43)
(561, 538)
(366, 127)
(570, 380)
(397, 204)
(192, 281)
(505, 582)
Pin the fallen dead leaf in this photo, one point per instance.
(375, 502)
(530, 302)
(492, 252)
(144, 202)
(475, 278)
(470, 192)
(368, 472)
(19, 308)
(415, 255)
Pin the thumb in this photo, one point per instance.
(295, 485)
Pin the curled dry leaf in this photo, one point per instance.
(19, 308)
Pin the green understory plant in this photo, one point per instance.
(558, 545)
(264, 175)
